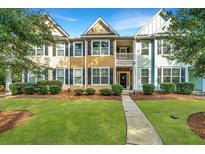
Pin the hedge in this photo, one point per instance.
(90, 91)
(79, 91)
(43, 90)
(29, 90)
(106, 92)
(168, 87)
(55, 89)
(148, 89)
(117, 89)
(184, 88)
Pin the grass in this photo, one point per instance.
(58, 121)
(173, 131)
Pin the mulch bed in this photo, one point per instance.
(158, 95)
(68, 95)
(196, 122)
(11, 119)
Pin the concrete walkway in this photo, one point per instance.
(139, 129)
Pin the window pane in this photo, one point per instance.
(145, 48)
(145, 45)
(166, 49)
(166, 79)
(175, 72)
(104, 80)
(32, 79)
(78, 73)
(96, 48)
(175, 79)
(144, 80)
(145, 52)
(60, 72)
(96, 80)
(167, 72)
(33, 52)
(60, 49)
(104, 72)
(78, 49)
(96, 72)
(40, 51)
(78, 76)
(78, 80)
(144, 72)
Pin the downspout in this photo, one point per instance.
(85, 62)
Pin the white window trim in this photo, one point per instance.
(74, 76)
(63, 49)
(100, 47)
(57, 74)
(149, 75)
(81, 48)
(44, 52)
(162, 73)
(100, 76)
(36, 78)
(162, 48)
(143, 48)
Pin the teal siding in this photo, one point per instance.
(198, 82)
(152, 61)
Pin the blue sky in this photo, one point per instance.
(124, 21)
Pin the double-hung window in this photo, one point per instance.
(34, 78)
(38, 51)
(171, 75)
(145, 48)
(144, 76)
(60, 74)
(78, 48)
(100, 76)
(78, 76)
(60, 49)
(163, 47)
(101, 47)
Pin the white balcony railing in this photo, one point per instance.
(124, 56)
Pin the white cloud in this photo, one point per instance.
(130, 19)
(66, 18)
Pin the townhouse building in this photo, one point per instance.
(101, 57)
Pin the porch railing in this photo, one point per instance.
(124, 56)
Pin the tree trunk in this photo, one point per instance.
(8, 78)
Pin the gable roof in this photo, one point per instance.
(99, 19)
(57, 25)
(163, 14)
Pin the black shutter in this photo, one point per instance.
(89, 76)
(159, 74)
(46, 50)
(25, 77)
(89, 47)
(71, 48)
(83, 76)
(54, 74)
(46, 73)
(66, 76)
(66, 49)
(182, 74)
(111, 76)
(83, 48)
(111, 47)
(71, 76)
(54, 49)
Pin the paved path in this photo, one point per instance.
(139, 129)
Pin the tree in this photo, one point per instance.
(20, 31)
(187, 34)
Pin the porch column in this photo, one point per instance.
(115, 68)
(134, 76)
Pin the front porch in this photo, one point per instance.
(124, 77)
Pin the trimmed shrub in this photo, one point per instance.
(49, 83)
(15, 89)
(55, 89)
(29, 90)
(42, 83)
(90, 91)
(1, 88)
(167, 87)
(106, 92)
(79, 92)
(117, 89)
(43, 90)
(148, 89)
(184, 88)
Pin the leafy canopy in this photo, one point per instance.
(20, 30)
(187, 34)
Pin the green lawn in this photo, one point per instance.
(173, 131)
(58, 121)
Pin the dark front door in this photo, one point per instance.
(123, 79)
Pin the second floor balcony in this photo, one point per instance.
(124, 56)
